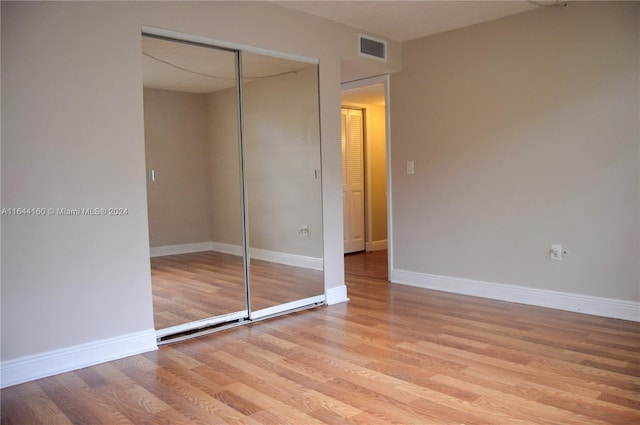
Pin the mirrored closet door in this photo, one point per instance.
(284, 195)
(233, 184)
(194, 189)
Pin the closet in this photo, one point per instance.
(232, 142)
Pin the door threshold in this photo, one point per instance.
(193, 333)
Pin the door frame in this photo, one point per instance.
(385, 81)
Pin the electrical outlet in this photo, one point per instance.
(556, 252)
(304, 230)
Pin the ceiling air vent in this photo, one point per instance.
(372, 48)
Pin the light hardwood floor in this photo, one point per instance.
(393, 354)
(189, 287)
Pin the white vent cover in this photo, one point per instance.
(372, 48)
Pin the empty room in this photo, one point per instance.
(193, 231)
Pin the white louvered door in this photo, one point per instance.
(353, 179)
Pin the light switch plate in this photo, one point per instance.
(410, 167)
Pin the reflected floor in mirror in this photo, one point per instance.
(195, 286)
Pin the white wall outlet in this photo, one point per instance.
(556, 252)
(304, 230)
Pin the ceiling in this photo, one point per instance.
(403, 21)
(197, 69)
(407, 20)
(368, 95)
(191, 68)
(184, 67)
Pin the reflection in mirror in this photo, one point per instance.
(199, 166)
(283, 185)
(194, 182)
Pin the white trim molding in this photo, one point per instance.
(597, 306)
(337, 294)
(287, 259)
(188, 248)
(225, 248)
(50, 363)
(377, 245)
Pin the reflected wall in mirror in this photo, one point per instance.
(283, 185)
(194, 182)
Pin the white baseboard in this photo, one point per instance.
(226, 248)
(260, 254)
(188, 248)
(337, 295)
(597, 306)
(50, 363)
(287, 259)
(377, 245)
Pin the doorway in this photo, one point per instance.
(353, 184)
(370, 97)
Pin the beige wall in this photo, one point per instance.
(191, 142)
(377, 170)
(72, 136)
(177, 149)
(524, 133)
(226, 186)
(282, 151)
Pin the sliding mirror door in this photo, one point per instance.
(281, 125)
(194, 189)
(234, 186)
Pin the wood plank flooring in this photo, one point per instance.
(392, 355)
(189, 287)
